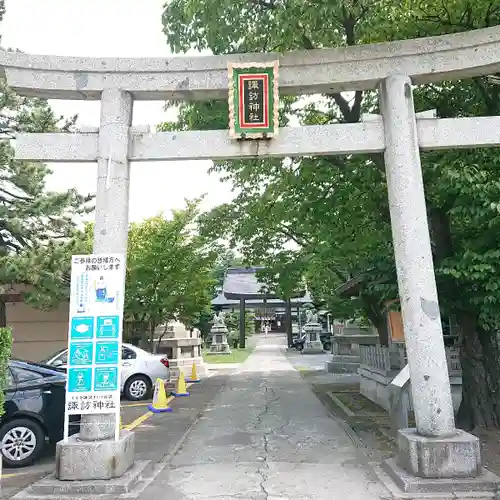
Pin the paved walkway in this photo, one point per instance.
(266, 436)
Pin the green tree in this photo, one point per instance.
(225, 259)
(169, 270)
(334, 209)
(45, 267)
(232, 321)
(32, 219)
(28, 212)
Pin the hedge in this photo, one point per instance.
(5, 352)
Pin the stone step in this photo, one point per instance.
(53, 489)
(485, 482)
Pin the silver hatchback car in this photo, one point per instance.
(139, 372)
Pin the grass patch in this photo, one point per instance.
(358, 403)
(236, 356)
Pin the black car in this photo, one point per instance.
(34, 412)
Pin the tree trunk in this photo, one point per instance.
(479, 357)
(3, 314)
(242, 324)
(377, 317)
(152, 328)
(288, 322)
(144, 336)
(160, 338)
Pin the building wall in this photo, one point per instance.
(37, 334)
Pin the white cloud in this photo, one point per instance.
(107, 28)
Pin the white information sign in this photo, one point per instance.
(95, 334)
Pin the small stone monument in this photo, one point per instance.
(312, 329)
(183, 348)
(219, 336)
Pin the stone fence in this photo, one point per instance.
(379, 365)
(346, 350)
(385, 360)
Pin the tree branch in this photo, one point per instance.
(266, 4)
(17, 197)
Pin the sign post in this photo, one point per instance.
(95, 336)
(253, 100)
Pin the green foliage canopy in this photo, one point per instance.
(333, 211)
(169, 269)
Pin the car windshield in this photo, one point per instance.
(45, 361)
(42, 368)
(137, 350)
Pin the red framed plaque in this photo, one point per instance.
(253, 100)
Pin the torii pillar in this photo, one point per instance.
(435, 448)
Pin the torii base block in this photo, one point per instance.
(130, 485)
(425, 465)
(78, 460)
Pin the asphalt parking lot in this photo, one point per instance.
(156, 435)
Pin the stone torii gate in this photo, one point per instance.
(435, 449)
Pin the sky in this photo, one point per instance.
(110, 28)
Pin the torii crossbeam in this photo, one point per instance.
(435, 449)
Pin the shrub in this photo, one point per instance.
(232, 321)
(233, 338)
(5, 351)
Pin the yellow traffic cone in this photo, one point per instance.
(194, 374)
(181, 386)
(160, 401)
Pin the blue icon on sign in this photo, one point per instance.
(79, 379)
(106, 379)
(108, 327)
(106, 353)
(101, 291)
(82, 328)
(80, 353)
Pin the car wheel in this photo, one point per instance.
(21, 442)
(137, 388)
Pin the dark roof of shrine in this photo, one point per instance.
(242, 283)
(220, 300)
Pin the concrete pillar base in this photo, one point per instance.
(404, 485)
(50, 488)
(315, 347)
(458, 456)
(78, 460)
(219, 349)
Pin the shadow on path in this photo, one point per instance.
(267, 436)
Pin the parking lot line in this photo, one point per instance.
(140, 420)
(6, 476)
(134, 424)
